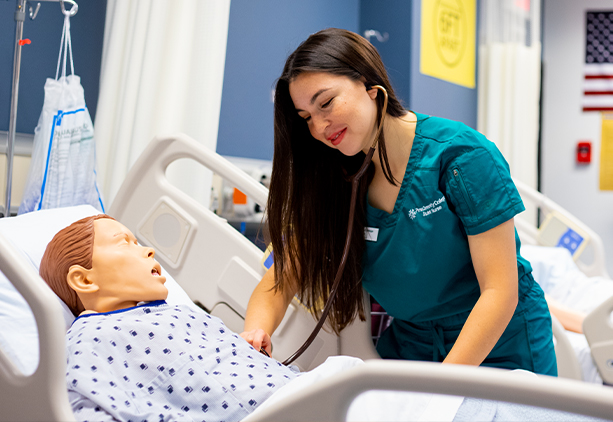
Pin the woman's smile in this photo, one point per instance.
(337, 137)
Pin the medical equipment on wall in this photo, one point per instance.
(19, 42)
(240, 210)
(354, 191)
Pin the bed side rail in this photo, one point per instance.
(41, 396)
(216, 265)
(529, 233)
(334, 395)
(598, 329)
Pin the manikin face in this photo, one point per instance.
(123, 270)
(339, 111)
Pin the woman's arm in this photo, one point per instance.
(495, 262)
(265, 311)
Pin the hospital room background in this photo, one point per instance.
(195, 78)
(207, 69)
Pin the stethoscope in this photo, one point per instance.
(354, 190)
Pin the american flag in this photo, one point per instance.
(598, 67)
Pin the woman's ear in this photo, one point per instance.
(372, 92)
(78, 280)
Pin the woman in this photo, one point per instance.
(441, 254)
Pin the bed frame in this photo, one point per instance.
(46, 387)
(219, 268)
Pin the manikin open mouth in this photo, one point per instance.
(155, 272)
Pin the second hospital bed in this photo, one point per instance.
(218, 269)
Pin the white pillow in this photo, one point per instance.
(30, 233)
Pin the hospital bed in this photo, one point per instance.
(218, 268)
(583, 262)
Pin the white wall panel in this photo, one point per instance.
(575, 187)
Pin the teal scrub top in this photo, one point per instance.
(417, 263)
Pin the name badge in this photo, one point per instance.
(371, 234)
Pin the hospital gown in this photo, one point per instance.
(159, 362)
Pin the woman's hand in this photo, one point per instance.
(259, 339)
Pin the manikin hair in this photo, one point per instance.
(73, 245)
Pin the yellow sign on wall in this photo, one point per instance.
(448, 37)
(606, 152)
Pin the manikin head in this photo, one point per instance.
(95, 264)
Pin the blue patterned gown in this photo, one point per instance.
(159, 362)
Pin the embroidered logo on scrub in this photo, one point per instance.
(426, 210)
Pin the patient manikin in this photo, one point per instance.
(132, 356)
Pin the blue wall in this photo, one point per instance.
(262, 33)
(39, 59)
(391, 17)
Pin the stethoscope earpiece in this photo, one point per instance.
(383, 111)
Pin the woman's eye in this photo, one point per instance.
(327, 103)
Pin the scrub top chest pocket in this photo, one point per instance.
(480, 187)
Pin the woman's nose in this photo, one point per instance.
(319, 125)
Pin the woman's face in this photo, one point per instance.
(339, 111)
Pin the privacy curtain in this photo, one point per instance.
(509, 83)
(162, 73)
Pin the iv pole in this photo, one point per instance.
(20, 14)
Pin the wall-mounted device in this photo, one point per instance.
(584, 152)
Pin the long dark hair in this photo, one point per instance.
(310, 189)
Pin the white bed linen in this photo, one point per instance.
(556, 272)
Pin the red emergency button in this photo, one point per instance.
(584, 152)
